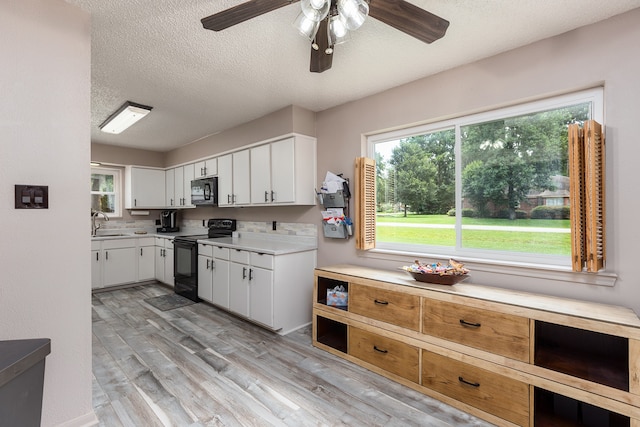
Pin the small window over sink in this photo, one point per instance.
(106, 190)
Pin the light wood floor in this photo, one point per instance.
(199, 366)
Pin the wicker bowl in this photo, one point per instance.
(445, 279)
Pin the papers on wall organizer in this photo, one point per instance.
(332, 183)
(333, 216)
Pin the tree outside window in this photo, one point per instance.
(492, 182)
(105, 190)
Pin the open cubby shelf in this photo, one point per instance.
(324, 284)
(331, 333)
(555, 410)
(589, 355)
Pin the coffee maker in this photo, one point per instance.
(168, 222)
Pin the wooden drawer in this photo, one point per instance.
(490, 392)
(386, 353)
(388, 306)
(498, 333)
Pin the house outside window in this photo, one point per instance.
(492, 186)
(106, 191)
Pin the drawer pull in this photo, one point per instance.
(381, 302)
(472, 325)
(462, 380)
(380, 350)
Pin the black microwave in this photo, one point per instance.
(204, 191)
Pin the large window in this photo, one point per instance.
(105, 191)
(488, 186)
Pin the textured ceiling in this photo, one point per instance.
(200, 82)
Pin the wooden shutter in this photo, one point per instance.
(365, 217)
(587, 190)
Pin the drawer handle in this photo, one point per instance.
(380, 350)
(381, 302)
(462, 380)
(472, 325)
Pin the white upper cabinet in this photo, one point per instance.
(207, 167)
(284, 172)
(178, 186)
(225, 180)
(261, 175)
(144, 188)
(233, 179)
(169, 187)
(241, 178)
(187, 177)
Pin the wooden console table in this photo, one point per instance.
(511, 358)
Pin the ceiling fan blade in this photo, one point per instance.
(242, 12)
(320, 60)
(409, 19)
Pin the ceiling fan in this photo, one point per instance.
(399, 14)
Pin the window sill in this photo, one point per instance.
(538, 271)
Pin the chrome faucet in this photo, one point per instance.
(94, 226)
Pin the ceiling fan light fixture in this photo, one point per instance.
(125, 116)
(305, 26)
(353, 13)
(315, 10)
(337, 31)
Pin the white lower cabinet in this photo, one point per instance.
(120, 261)
(220, 277)
(146, 258)
(96, 265)
(164, 260)
(239, 282)
(271, 290)
(261, 295)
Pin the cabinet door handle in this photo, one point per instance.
(213, 264)
(250, 274)
(229, 199)
(244, 272)
(140, 251)
(266, 196)
(462, 380)
(379, 350)
(135, 202)
(106, 255)
(469, 324)
(381, 302)
(273, 199)
(97, 256)
(207, 264)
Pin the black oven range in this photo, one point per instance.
(185, 256)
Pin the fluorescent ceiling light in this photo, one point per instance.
(125, 116)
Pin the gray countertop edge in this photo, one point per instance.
(18, 356)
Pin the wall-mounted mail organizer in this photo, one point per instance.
(336, 222)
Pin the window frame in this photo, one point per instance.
(536, 261)
(117, 187)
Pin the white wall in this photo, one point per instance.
(603, 53)
(44, 140)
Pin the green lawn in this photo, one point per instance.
(514, 241)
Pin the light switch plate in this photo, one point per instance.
(32, 196)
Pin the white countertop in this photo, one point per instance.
(267, 245)
(273, 244)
